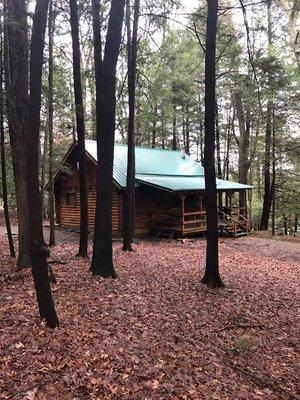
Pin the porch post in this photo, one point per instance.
(230, 194)
(182, 197)
(246, 204)
(201, 210)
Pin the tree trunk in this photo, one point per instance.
(243, 143)
(129, 206)
(38, 251)
(228, 144)
(3, 161)
(211, 277)
(285, 225)
(51, 28)
(187, 132)
(154, 128)
(174, 123)
(102, 263)
(79, 109)
(44, 167)
(243, 139)
(218, 145)
(16, 82)
(267, 199)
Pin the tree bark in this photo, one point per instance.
(187, 132)
(3, 159)
(51, 28)
(174, 123)
(218, 146)
(211, 277)
(79, 109)
(129, 206)
(44, 167)
(243, 143)
(285, 225)
(244, 129)
(16, 83)
(154, 128)
(102, 263)
(267, 201)
(38, 251)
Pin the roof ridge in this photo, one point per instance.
(170, 176)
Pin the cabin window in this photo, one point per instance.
(71, 199)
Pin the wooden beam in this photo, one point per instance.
(182, 197)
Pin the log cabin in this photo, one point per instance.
(170, 193)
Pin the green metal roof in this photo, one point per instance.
(182, 183)
(165, 169)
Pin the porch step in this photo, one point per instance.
(165, 234)
(230, 232)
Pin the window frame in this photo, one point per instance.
(68, 201)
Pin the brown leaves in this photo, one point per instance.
(155, 332)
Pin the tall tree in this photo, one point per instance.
(267, 200)
(243, 142)
(38, 250)
(51, 27)
(16, 84)
(3, 158)
(130, 181)
(84, 222)
(211, 277)
(102, 263)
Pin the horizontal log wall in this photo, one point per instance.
(148, 201)
(69, 215)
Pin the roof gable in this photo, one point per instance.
(164, 169)
(157, 162)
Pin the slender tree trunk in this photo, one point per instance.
(84, 222)
(267, 200)
(218, 145)
(187, 132)
(51, 28)
(174, 123)
(3, 161)
(38, 250)
(102, 263)
(227, 150)
(44, 167)
(296, 223)
(211, 277)
(285, 225)
(244, 143)
(129, 206)
(16, 83)
(154, 128)
(243, 139)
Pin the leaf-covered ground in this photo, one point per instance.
(155, 332)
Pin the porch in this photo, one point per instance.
(190, 218)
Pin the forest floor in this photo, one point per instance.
(155, 332)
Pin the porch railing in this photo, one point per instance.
(234, 218)
(195, 221)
